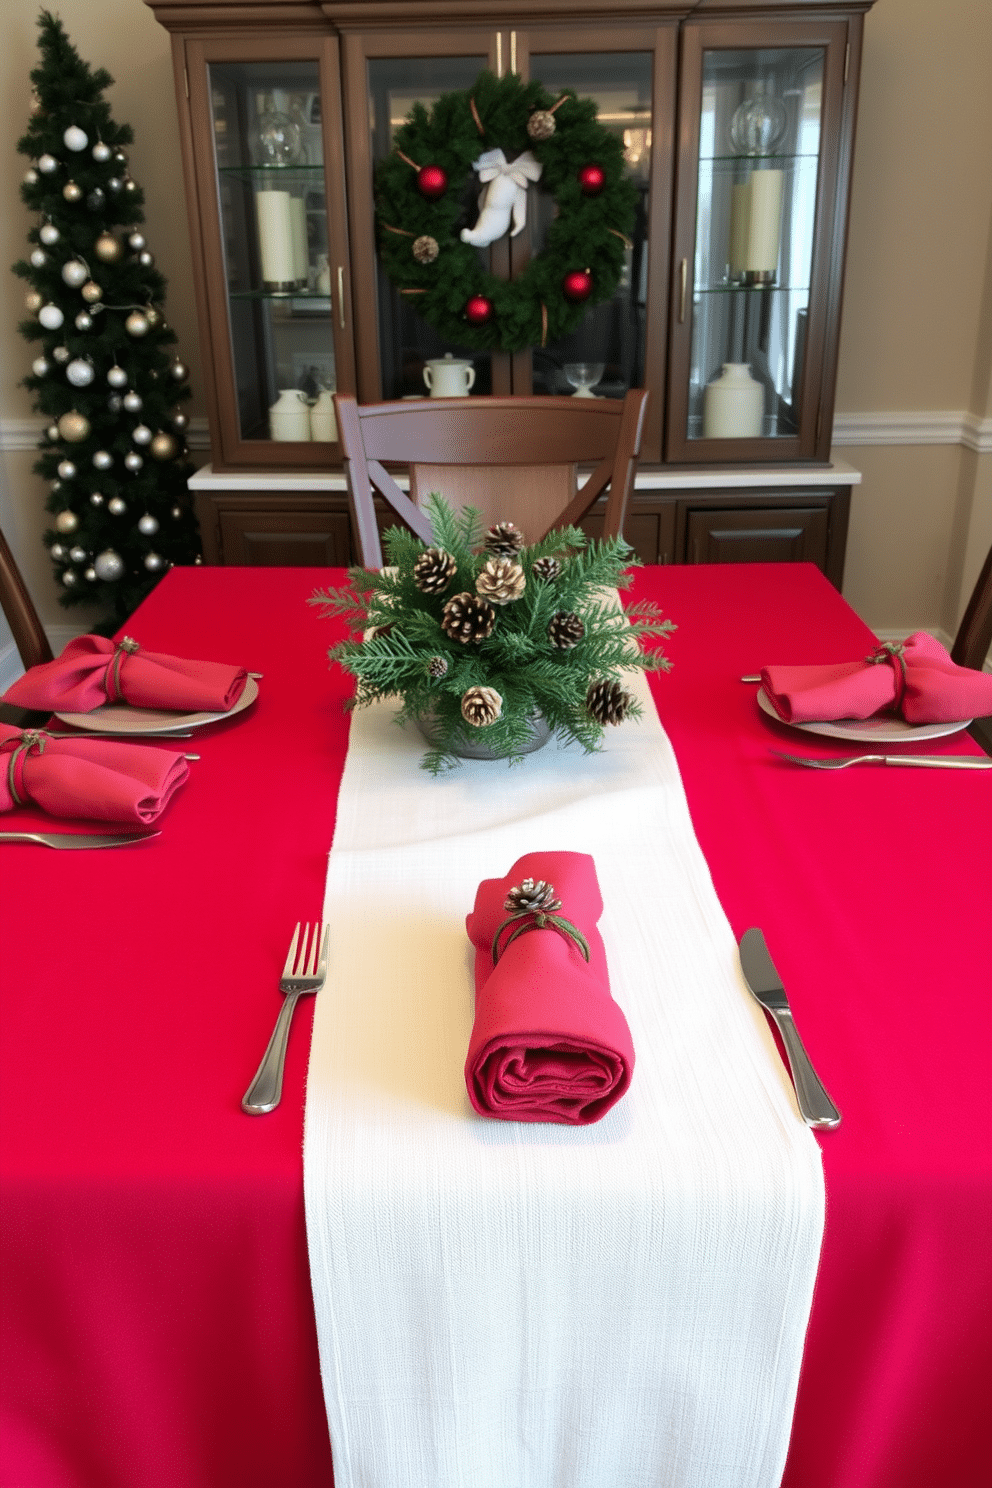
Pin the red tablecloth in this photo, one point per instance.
(157, 1321)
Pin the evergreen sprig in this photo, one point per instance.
(399, 635)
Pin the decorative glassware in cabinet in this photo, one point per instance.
(267, 128)
(759, 159)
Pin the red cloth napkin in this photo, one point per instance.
(93, 670)
(548, 1042)
(916, 679)
(74, 776)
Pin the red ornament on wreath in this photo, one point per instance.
(577, 285)
(592, 179)
(479, 310)
(432, 181)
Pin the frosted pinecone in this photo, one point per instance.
(608, 702)
(434, 571)
(533, 896)
(541, 124)
(501, 581)
(545, 569)
(565, 630)
(481, 706)
(437, 667)
(425, 249)
(466, 618)
(505, 540)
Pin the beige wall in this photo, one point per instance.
(917, 330)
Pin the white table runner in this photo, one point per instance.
(506, 1305)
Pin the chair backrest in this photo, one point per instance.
(515, 459)
(974, 637)
(22, 617)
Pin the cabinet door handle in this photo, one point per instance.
(341, 296)
(683, 282)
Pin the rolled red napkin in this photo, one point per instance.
(915, 678)
(93, 670)
(100, 779)
(548, 1042)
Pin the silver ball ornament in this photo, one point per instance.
(75, 273)
(101, 152)
(47, 164)
(66, 470)
(116, 506)
(51, 317)
(136, 242)
(132, 402)
(90, 573)
(74, 427)
(130, 185)
(137, 324)
(179, 419)
(49, 234)
(57, 551)
(114, 184)
(78, 554)
(71, 191)
(91, 292)
(41, 366)
(146, 259)
(103, 460)
(33, 302)
(153, 562)
(117, 377)
(178, 371)
(148, 525)
(133, 462)
(109, 565)
(176, 513)
(75, 138)
(83, 321)
(96, 199)
(66, 521)
(80, 372)
(69, 578)
(96, 498)
(38, 258)
(120, 157)
(52, 432)
(141, 434)
(115, 402)
(61, 354)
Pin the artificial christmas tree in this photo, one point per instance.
(105, 379)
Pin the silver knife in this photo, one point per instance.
(79, 839)
(765, 985)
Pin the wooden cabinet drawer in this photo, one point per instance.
(761, 535)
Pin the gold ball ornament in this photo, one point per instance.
(72, 192)
(33, 302)
(137, 324)
(107, 248)
(164, 446)
(66, 521)
(74, 427)
(34, 104)
(541, 124)
(91, 291)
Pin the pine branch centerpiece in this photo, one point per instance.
(480, 635)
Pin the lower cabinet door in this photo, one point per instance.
(762, 535)
(285, 539)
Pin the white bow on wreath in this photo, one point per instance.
(505, 196)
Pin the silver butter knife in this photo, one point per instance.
(79, 839)
(930, 761)
(765, 985)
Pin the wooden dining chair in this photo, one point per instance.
(22, 617)
(974, 637)
(514, 459)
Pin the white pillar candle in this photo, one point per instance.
(740, 210)
(764, 221)
(733, 404)
(298, 224)
(275, 237)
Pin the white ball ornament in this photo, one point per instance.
(51, 317)
(109, 565)
(75, 273)
(132, 401)
(103, 460)
(41, 366)
(114, 184)
(96, 498)
(116, 506)
(153, 562)
(61, 354)
(136, 242)
(178, 419)
(90, 573)
(31, 177)
(176, 513)
(69, 578)
(75, 138)
(133, 462)
(66, 470)
(141, 434)
(66, 521)
(80, 372)
(148, 525)
(52, 432)
(101, 152)
(178, 371)
(146, 259)
(78, 554)
(57, 551)
(49, 234)
(137, 324)
(117, 377)
(47, 164)
(39, 258)
(83, 321)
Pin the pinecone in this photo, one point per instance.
(505, 540)
(533, 896)
(481, 706)
(437, 667)
(501, 581)
(467, 618)
(565, 630)
(545, 569)
(425, 249)
(541, 124)
(434, 571)
(608, 702)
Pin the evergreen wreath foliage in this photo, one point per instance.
(589, 231)
(530, 674)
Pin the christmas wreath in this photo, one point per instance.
(506, 133)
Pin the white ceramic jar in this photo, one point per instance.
(449, 377)
(733, 404)
(289, 416)
(323, 421)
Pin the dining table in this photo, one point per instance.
(157, 1312)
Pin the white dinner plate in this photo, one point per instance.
(887, 730)
(121, 718)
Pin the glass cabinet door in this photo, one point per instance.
(748, 311)
(278, 322)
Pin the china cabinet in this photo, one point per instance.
(736, 122)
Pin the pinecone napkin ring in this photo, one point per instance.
(534, 905)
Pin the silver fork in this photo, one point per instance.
(934, 761)
(305, 971)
